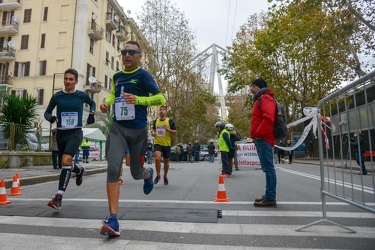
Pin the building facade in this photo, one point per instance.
(40, 39)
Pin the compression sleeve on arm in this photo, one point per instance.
(155, 100)
(110, 99)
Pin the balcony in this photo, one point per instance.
(9, 28)
(10, 5)
(92, 88)
(7, 55)
(5, 82)
(110, 21)
(120, 33)
(95, 31)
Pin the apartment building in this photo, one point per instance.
(40, 39)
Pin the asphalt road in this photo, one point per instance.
(183, 214)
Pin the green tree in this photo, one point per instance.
(18, 115)
(299, 50)
(358, 16)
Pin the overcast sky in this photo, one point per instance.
(211, 21)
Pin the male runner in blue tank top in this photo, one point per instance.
(69, 103)
(130, 96)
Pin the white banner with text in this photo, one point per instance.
(247, 155)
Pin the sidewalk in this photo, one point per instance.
(37, 174)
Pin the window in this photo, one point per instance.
(117, 66)
(90, 71)
(21, 68)
(40, 96)
(112, 62)
(105, 81)
(45, 14)
(42, 67)
(114, 41)
(118, 45)
(91, 46)
(8, 18)
(27, 16)
(25, 42)
(108, 35)
(107, 58)
(2, 42)
(110, 84)
(20, 93)
(43, 41)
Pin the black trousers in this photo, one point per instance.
(55, 161)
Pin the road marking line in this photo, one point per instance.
(191, 202)
(197, 228)
(23, 241)
(331, 181)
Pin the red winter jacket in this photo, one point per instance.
(262, 121)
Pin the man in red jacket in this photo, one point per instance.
(261, 131)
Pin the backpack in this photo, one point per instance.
(280, 129)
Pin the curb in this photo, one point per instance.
(53, 177)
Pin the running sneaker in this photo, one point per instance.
(165, 181)
(79, 177)
(157, 179)
(110, 227)
(55, 202)
(120, 181)
(148, 185)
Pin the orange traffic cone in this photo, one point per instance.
(221, 194)
(18, 181)
(3, 194)
(14, 191)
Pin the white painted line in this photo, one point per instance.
(310, 203)
(269, 213)
(197, 228)
(23, 241)
(366, 189)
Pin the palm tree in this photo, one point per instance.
(17, 116)
(104, 122)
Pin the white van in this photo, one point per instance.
(32, 142)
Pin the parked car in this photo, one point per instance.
(172, 155)
(31, 142)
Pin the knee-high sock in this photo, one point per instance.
(76, 169)
(64, 179)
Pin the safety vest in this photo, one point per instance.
(223, 146)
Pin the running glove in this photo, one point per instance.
(90, 119)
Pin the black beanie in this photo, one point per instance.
(260, 83)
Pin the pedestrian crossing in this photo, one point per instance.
(239, 229)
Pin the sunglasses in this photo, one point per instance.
(131, 52)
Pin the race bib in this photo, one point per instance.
(69, 119)
(124, 111)
(160, 131)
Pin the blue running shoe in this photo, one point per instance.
(149, 184)
(110, 227)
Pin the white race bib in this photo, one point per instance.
(160, 131)
(69, 119)
(124, 111)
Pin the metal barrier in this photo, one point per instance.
(350, 133)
